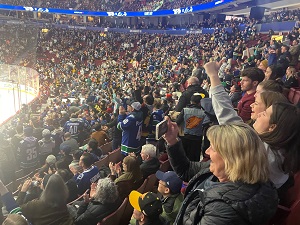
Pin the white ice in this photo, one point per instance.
(10, 103)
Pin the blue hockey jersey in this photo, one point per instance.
(131, 125)
(156, 117)
(28, 152)
(86, 178)
(72, 126)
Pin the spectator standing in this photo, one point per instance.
(192, 118)
(17, 138)
(72, 126)
(251, 77)
(58, 136)
(221, 72)
(117, 133)
(28, 151)
(193, 86)
(156, 116)
(65, 158)
(46, 144)
(83, 135)
(69, 141)
(131, 125)
(37, 130)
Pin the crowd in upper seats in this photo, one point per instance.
(22, 2)
(141, 6)
(117, 87)
(284, 15)
(66, 4)
(116, 5)
(15, 41)
(181, 4)
(105, 5)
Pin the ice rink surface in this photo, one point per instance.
(11, 101)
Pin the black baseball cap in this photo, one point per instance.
(149, 203)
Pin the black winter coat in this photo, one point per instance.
(220, 203)
(92, 213)
(185, 98)
(149, 167)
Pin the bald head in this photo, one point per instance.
(193, 81)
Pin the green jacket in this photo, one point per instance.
(171, 206)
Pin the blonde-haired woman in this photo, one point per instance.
(233, 187)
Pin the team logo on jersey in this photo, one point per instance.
(193, 122)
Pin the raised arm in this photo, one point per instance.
(221, 102)
(183, 167)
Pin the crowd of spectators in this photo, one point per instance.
(137, 5)
(170, 4)
(115, 86)
(141, 6)
(283, 15)
(22, 2)
(15, 41)
(105, 5)
(65, 4)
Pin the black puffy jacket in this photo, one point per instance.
(185, 98)
(220, 203)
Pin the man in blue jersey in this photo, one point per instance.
(156, 116)
(28, 151)
(72, 126)
(89, 175)
(131, 126)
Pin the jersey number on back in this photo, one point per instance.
(31, 153)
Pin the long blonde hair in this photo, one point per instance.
(242, 150)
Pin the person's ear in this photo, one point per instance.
(255, 83)
(272, 127)
(167, 190)
(142, 217)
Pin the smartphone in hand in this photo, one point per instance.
(161, 129)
